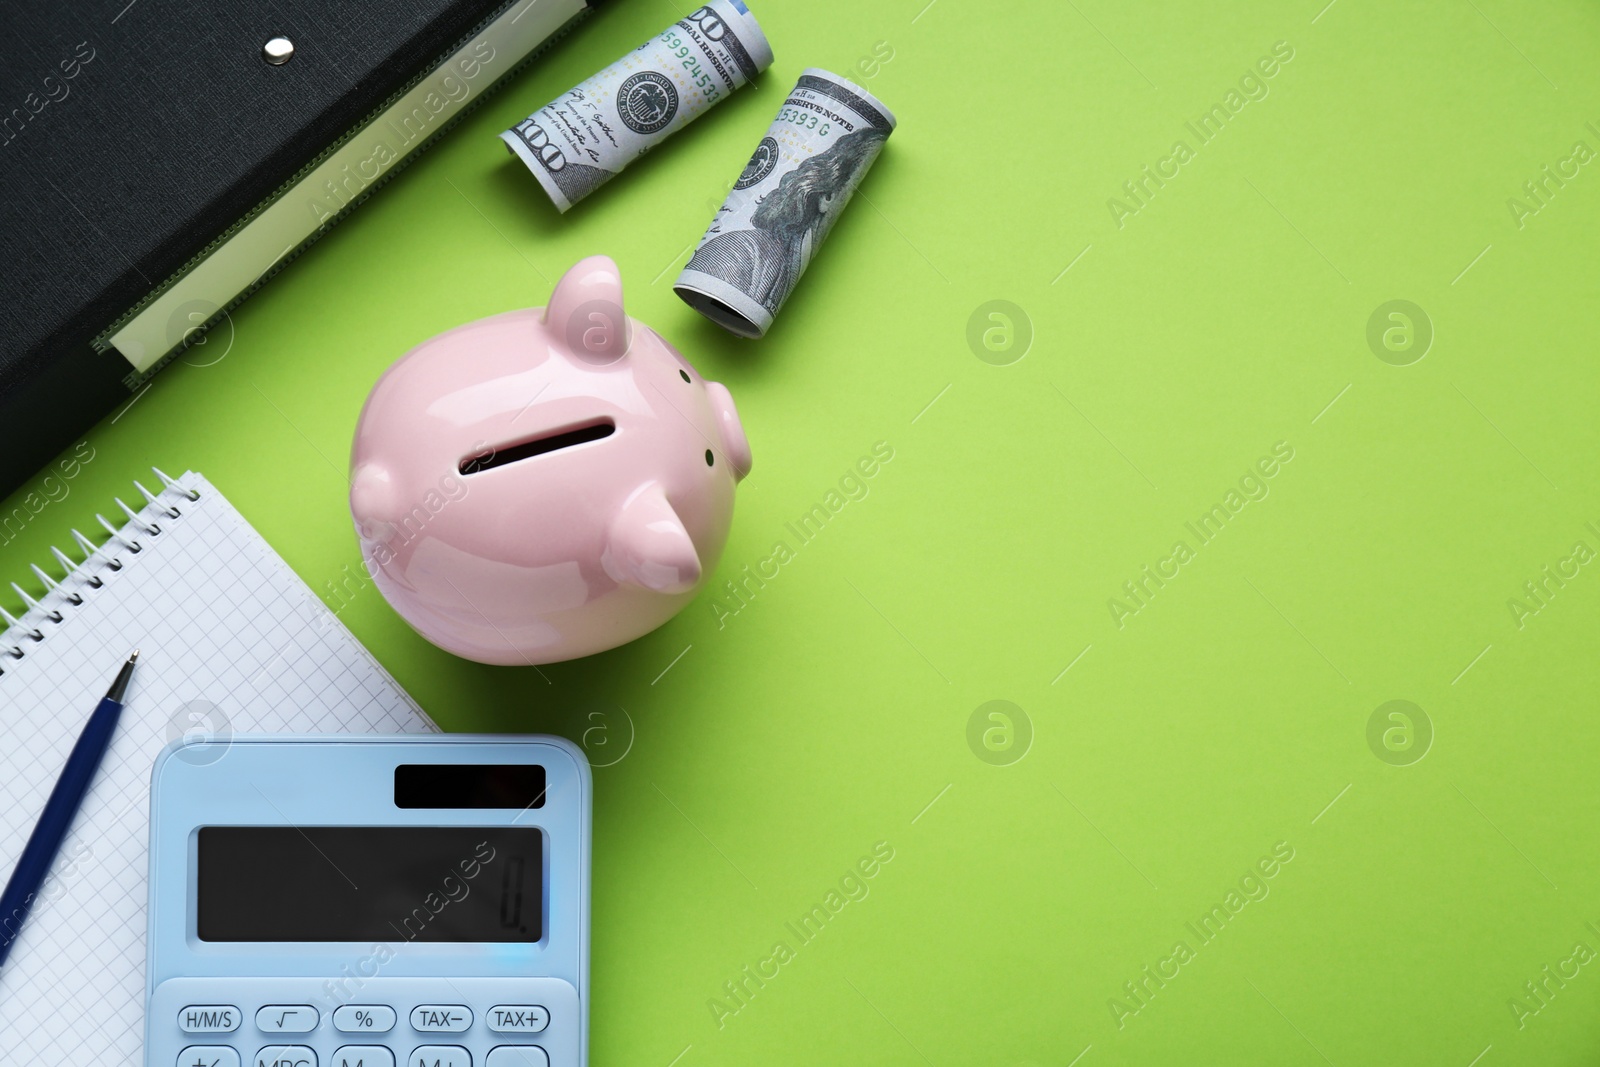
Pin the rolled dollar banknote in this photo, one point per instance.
(580, 140)
(804, 171)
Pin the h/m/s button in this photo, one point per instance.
(209, 1019)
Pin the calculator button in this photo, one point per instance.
(363, 1019)
(441, 1018)
(362, 1056)
(439, 1056)
(518, 1018)
(209, 1019)
(518, 1056)
(287, 1019)
(285, 1056)
(208, 1056)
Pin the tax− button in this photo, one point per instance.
(440, 1018)
(209, 1019)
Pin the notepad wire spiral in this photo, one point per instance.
(41, 607)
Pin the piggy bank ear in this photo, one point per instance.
(373, 501)
(730, 428)
(649, 547)
(586, 312)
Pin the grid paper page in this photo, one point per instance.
(229, 639)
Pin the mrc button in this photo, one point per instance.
(209, 1019)
(440, 1018)
(517, 1018)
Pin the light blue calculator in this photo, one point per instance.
(416, 901)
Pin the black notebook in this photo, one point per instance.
(160, 158)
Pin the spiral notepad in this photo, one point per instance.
(230, 641)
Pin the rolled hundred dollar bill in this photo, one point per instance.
(804, 171)
(580, 140)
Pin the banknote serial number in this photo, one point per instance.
(805, 121)
(691, 63)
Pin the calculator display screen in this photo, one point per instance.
(370, 883)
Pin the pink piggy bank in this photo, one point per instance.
(546, 483)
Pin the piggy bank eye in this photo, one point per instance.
(708, 457)
(683, 374)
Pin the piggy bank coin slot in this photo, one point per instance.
(536, 446)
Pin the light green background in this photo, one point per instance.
(770, 753)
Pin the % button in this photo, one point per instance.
(363, 1019)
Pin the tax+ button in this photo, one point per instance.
(518, 1018)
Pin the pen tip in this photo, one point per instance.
(119, 688)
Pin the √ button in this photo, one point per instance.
(287, 1019)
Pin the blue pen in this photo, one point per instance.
(65, 799)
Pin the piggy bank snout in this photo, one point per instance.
(730, 428)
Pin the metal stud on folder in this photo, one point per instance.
(278, 51)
